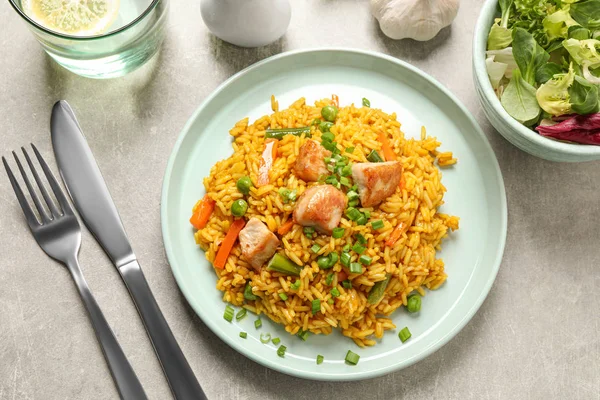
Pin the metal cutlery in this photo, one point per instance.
(92, 200)
(58, 233)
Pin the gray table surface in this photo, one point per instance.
(536, 335)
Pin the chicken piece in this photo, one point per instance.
(376, 181)
(310, 164)
(258, 243)
(321, 207)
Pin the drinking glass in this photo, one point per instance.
(133, 39)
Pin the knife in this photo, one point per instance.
(92, 200)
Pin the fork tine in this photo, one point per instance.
(60, 195)
(36, 200)
(53, 210)
(29, 215)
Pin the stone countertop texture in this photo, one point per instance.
(535, 337)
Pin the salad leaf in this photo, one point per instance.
(547, 72)
(579, 128)
(528, 55)
(504, 56)
(553, 96)
(495, 70)
(587, 13)
(584, 96)
(578, 32)
(591, 76)
(584, 52)
(519, 100)
(529, 15)
(500, 36)
(556, 25)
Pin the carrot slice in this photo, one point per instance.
(228, 242)
(268, 157)
(335, 100)
(202, 211)
(386, 147)
(285, 228)
(401, 228)
(402, 184)
(342, 276)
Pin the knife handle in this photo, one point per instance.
(127, 382)
(180, 376)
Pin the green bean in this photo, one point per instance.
(280, 133)
(378, 290)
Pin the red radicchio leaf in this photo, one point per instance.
(579, 129)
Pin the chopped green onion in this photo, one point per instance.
(353, 214)
(366, 102)
(265, 338)
(323, 262)
(355, 188)
(338, 233)
(281, 351)
(413, 304)
(352, 358)
(327, 136)
(316, 306)
(353, 203)
(362, 220)
(287, 195)
(345, 259)
(360, 239)
(276, 341)
(283, 296)
(333, 258)
(241, 314)
(280, 133)
(258, 323)
(303, 334)
(350, 149)
(347, 284)
(331, 146)
(374, 156)
(320, 359)
(356, 268)
(404, 334)
(332, 180)
(293, 194)
(315, 248)
(357, 248)
(282, 264)
(346, 170)
(308, 231)
(248, 295)
(243, 335)
(295, 285)
(352, 195)
(331, 169)
(327, 160)
(335, 292)
(367, 214)
(228, 315)
(346, 248)
(330, 302)
(365, 259)
(377, 224)
(329, 279)
(345, 181)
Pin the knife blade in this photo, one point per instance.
(92, 200)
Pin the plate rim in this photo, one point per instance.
(360, 375)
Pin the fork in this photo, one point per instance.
(58, 233)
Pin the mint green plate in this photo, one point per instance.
(475, 193)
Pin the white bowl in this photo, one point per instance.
(519, 135)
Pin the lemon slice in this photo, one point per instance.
(73, 17)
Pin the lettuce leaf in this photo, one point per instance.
(584, 96)
(553, 96)
(495, 70)
(587, 13)
(584, 52)
(528, 54)
(499, 37)
(557, 25)
(519, 100)
(504, 56)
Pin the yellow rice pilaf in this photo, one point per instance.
(411, 262)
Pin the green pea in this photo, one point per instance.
(244, 184)
(413, 303)
(329, 113)
(323, 262)
(239, 207)
(325, 126)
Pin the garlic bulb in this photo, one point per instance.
(415, 19)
